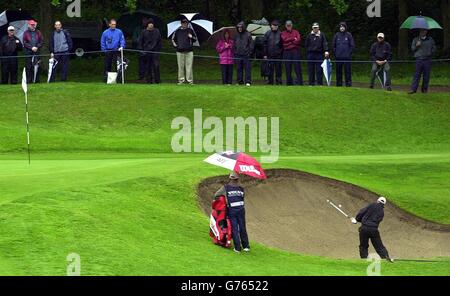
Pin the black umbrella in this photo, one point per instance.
(16, 18)
(202, 28)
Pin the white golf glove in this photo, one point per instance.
(353, 220)
(120, 48)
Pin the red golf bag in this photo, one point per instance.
(220, 224)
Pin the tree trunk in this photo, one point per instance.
(253, 9)
(236, 13)
(445, 8)
(403, 47)
(46, 21)
(211, 10)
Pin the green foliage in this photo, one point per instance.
(341, 6)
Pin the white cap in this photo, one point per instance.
(234, 175)
(11, 28)
(380, 35)
(382, 200)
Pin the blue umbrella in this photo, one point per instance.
(420, 22)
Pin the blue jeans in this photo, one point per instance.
(239, 230)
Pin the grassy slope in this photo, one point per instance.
(131, 213)
(90, 68)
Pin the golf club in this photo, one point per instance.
(337, 208)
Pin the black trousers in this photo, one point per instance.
(30, 63)
(289, 56)
(110, 59)
(227, 74)
(9, 70)
(315, 67)
(275, 67)
(243, 64)
(345, 65)
(372, 233)
(141, 70)
(423, 67)
(238, 228)
(62, 66)
(151, 67)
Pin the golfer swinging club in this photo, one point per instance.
(370, 217)
(234, 194)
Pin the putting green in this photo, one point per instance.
(104, 184)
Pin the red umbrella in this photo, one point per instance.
(238, 162)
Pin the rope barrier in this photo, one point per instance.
(217, 58)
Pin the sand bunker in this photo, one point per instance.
(289, 211)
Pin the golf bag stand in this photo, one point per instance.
(220, 224)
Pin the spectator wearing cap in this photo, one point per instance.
(317, 49)
(183, 40)
(150, 44)
(273, 52)
(291, 54)
(423, 47)
(112, 43)
(235, 196)
(224, 48)
(10, 45)
(381, 54)
(60, 46)
(32, 42)
(343, 47)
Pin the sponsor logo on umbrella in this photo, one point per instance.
(249, 169)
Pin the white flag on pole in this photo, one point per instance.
(24, 81)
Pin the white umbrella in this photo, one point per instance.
(51, 67)
(35, 61)
(202, 28)
(326, 66)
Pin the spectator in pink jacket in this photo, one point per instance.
(225, 49)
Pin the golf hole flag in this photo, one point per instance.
(326, 66)
(24, 81)
(238, 162)
(25, 90)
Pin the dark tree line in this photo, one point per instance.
(303, 12)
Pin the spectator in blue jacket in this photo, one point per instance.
(60, 46)
(343, 47)
(112, 43)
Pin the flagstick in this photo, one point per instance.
(123, 71)
(25, 90)
(28, 128)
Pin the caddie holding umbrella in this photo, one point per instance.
(234, 192)
(235, 195)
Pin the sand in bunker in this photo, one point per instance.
(289, 211)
